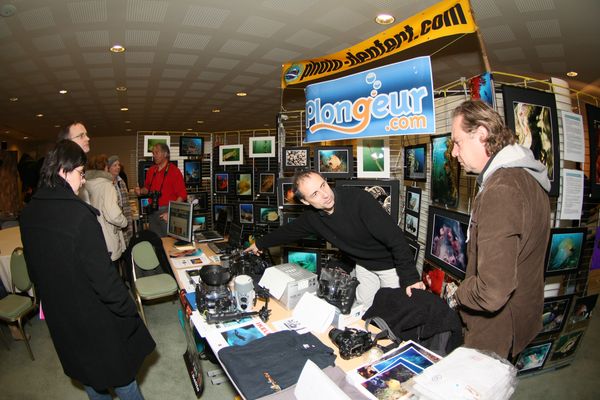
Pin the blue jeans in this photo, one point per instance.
(127, 392)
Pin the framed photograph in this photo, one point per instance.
(268, 215)
(415, 162)
(582, 310)
(566, 345)
(199, 223)
(222, 213)
(246, 213)
(373, 158)
(231, 154)
(294, 158)
(533, 357)
(531, 114)
(288, 217)
(262, 146)
(192, 172)
(285, 194)
(555, 313)
(334, 162)
(413, 199)
(266, 182)
(411, 226)
(308, 259)
(481, 88)
(202, 200)
(445, 172)
(564, 251)
(593, 121)
(447, 240)
(191, 146)
(387, 192)
(221, 182)
(143, 167)
(243, 184)
(414, 248)
(151, 140)
(143, 205)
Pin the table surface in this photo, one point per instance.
(10, 238)
(278, 311)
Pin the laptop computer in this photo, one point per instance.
(234, 241)
(207, 236)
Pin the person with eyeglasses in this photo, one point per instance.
(76, 132)
(99, 337)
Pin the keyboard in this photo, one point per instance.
(218, 247)
(207, 236)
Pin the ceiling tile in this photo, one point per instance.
(169, 84)
(135, 84)
(138, 72)
(201, 86)
(96, 73)
(36, 79)
(308, 39)
(39, 18)
(222, 63)
(290, 7)
(544, 29)
(49, 43)
(194, 94)
(191, 41)
(175, 73)
(342, 19)
(93, 39)
(106, 83)
(238, 47)
(281, 55)
(4, 30)
(165, 93)
(131, 93)
(146, 11)
(555, 67)
(24, 66)
(245, 80)
(534, 5)
(485, 9)
(498, 34)
(58, 61)
(139, 57)
(262, 69)
(550, 50)
(11, 50)
(65, 76)
(182, 59)
(259, 26)
(97, 58)
(205, 17)
(86, 12)
(141, 38)
(512, 54)
(211, 76)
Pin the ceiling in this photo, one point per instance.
(185, 58)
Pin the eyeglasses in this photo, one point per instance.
(81, 135)
(82, 173)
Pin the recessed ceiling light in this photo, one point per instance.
(13, 99)
(121, 89)
(199, 121)
(384, 19)
(63, 91)
(40, 115)
(25, 137)
(117, 48)
(128, 130)
(241, 94)
(6, 132)
(127, 122)
(216, 110)
(189, 129)
(266, 125)
(57, 126)
(124, 109)
(572, 74)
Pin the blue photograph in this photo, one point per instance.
(564, 251)
(308, 260)
(415, 162)
(445, 172)
(242, 335)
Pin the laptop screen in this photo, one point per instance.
(235, 235)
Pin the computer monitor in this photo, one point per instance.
(180, 221)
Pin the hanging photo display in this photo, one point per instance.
(261, 147)
(415, 162)
(481, 88)
(565, 248)
(386, 192)
(246, 213)
(243, 184)
(566, 345)
(412, 212)
(221, 180)
(445, 172)
(334, 162)
(295, 158)
(232, 154)
(555, 313)
(447, 240)
(531, 114)
(533, 357)
(593, 122)
(373, 158)
(266, 183)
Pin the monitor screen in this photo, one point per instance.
(180, 222)
(310, 260)
(191, 146)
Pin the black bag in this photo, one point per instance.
(274, 362)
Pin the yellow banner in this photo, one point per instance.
(446, 18)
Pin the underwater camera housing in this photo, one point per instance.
(337, 287)
(351, 342)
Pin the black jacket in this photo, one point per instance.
(100, 339)
(360, 228)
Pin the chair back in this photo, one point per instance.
(18, 270)
(144, 256)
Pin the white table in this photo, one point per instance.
(10, 239)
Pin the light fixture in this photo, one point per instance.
(384, 19)
(199, 121)
(572, 74)
(25, 137)
(216, 110)
(241, 94)
(121, 89)
(128, 130)
(40, 115)
(13, 99)
(117, 48)
(57, 126)
(63, 91)
(128, 122)
(124, 109)
(189, 129)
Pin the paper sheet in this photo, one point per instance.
(314, 313)
(276, 281)
(315, 384)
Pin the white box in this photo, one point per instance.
(341, 321)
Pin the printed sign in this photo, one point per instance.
(395, 99)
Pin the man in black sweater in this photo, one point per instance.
(354, 222)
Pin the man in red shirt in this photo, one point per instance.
(165, 181)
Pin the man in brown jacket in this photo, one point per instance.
(501, 298)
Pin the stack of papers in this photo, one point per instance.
(466, 374)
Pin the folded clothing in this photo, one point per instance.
(274, 362)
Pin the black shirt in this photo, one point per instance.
(360, 228)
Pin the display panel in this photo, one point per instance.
(180, 220)
(334, 162)
(564, 251)
(447, 240)
(191, 146)
(192, 172)
(385, 191)
(415, 162)
(308, 259)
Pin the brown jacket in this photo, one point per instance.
(502, 295)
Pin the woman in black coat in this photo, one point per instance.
(99, 337)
